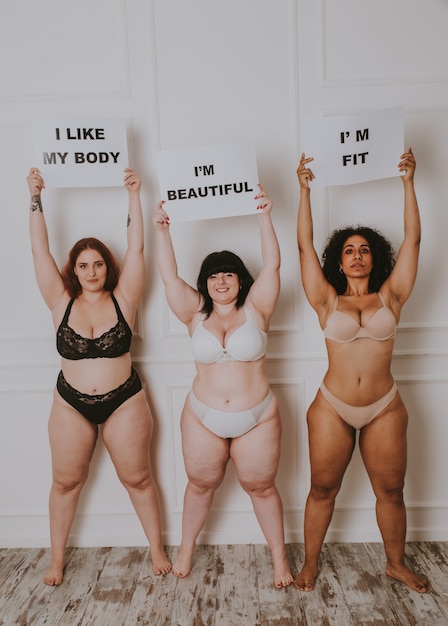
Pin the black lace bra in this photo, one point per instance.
(111, 344)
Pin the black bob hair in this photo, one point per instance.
(383, 257)
(223, 261)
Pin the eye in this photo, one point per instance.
(365, 250)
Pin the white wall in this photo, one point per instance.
(202, 72)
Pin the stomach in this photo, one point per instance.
(231, 386)
(97, 376)
(359, 372)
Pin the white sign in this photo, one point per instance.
(354, 148)
(208, 182)
(81, 153)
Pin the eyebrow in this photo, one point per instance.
(87, 262)
(350, 245)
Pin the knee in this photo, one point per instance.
(324, 490)
(137, 481)
(390, 492)
(258, 488)
(66, 485)
(202, 485)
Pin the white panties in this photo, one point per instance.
(228, 424)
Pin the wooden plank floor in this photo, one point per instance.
(230, 585)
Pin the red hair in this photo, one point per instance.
(69, 277)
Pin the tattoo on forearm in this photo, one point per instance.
(36, 204)
(129, 221)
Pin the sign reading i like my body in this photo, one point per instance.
(80, 153)
(354, 148)
(208, 182)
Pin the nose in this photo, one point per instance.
(92, 271)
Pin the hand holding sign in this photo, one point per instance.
(304, 174)
(406, 168)
(407, 165)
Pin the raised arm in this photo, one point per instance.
(182, 299)
(316, 286)
(402, 278)
(132, 275)
(48, 277)
(266, 288)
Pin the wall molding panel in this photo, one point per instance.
(196, 73)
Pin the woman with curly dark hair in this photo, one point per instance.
(93, 306)
(358, 294)
(383, 257)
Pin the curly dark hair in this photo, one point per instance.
(69, 277)
(223, 261)
(383, 257)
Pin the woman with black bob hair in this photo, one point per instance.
(358, 293)
(230, 412)
(227, 262)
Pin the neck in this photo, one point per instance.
(93, 297)
(222, 310)
(357, 287)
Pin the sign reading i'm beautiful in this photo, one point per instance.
(208, 182)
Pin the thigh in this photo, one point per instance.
(205, 454)
(127, 434)
(331, 443)
(256, 454)
(72, 440)
(383, 446)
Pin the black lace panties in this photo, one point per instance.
(99, 407)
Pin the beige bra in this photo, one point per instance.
(342, 328)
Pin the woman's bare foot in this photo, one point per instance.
(306, 578)
(282, 573)
(182, 565)
(404, 575)
(54, 575)
(160, 562)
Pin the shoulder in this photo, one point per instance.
(60, 308)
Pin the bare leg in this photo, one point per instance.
(206, 456)
(383, 448)
(256, 456)
(72, 442)
(197, 502)
(127, 436)
(331, 443)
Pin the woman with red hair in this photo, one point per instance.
(93, 306)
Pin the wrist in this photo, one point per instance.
(36, 203)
